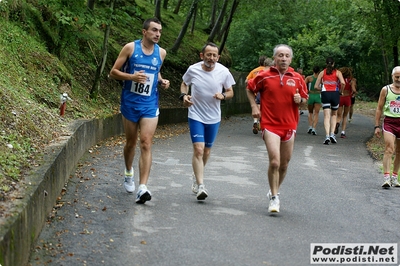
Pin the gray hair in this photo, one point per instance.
(283, 45)
(396, 69)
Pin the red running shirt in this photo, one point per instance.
(278, 109)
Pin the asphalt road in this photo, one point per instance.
(331, 194)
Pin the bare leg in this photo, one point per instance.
(200, 157)
(131, 136)
(389, 149)
(317, 107)
(327, 121)
(147, 128)
(333, 121)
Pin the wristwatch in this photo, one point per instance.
(181, 96)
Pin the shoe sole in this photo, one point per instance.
(309, 131)
(334, 141)
(255, 131)
(386, 185)
(202, 196)
(326, 142)
(145, 197)
(273, 210)
(314, 133)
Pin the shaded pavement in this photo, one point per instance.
(331, 194)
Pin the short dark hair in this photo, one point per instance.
(146, 23)
(209, 44)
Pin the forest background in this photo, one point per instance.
(50, 47)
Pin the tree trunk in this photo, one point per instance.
(194, 19)
(178, 6)
(157, 11)
(217, 26)
(90, 4)
(94, 92)
(165, 4)
(227, 25)
(182, 33)
(214, 7)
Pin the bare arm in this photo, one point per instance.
(353, 86)
(255, 111)
(164, 83)
(186, 100)
(379, 109)
(339, 75)
(228, 94)
(317, 85)
(123, 56)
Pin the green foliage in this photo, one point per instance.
(355, 33)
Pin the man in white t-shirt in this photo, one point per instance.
(210, 82)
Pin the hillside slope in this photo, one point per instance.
(32, 79)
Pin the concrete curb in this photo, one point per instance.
(43, 186)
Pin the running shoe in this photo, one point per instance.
(394, 181)
(255, 128)
(327, 140)
(314, 132)
(129, 182)
(143, 194)
(386, 182)
(202, 194)
(310, 129)
(195, 187)
(269, 194)
(343, 135)
(333, 139)
(349, 120)
(337, 128)
(301, 112)
(274, 204)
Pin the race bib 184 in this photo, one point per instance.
(143, 89)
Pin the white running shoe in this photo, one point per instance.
(202, 194)
(269, 194)
(274, 204)
(386, 182)
(143, 194)
(195, 187)
(129, 182)
(394, 181)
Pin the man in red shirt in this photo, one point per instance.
(280, 86)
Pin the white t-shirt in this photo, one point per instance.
(203, 86)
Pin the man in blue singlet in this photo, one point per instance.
(138, 65)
